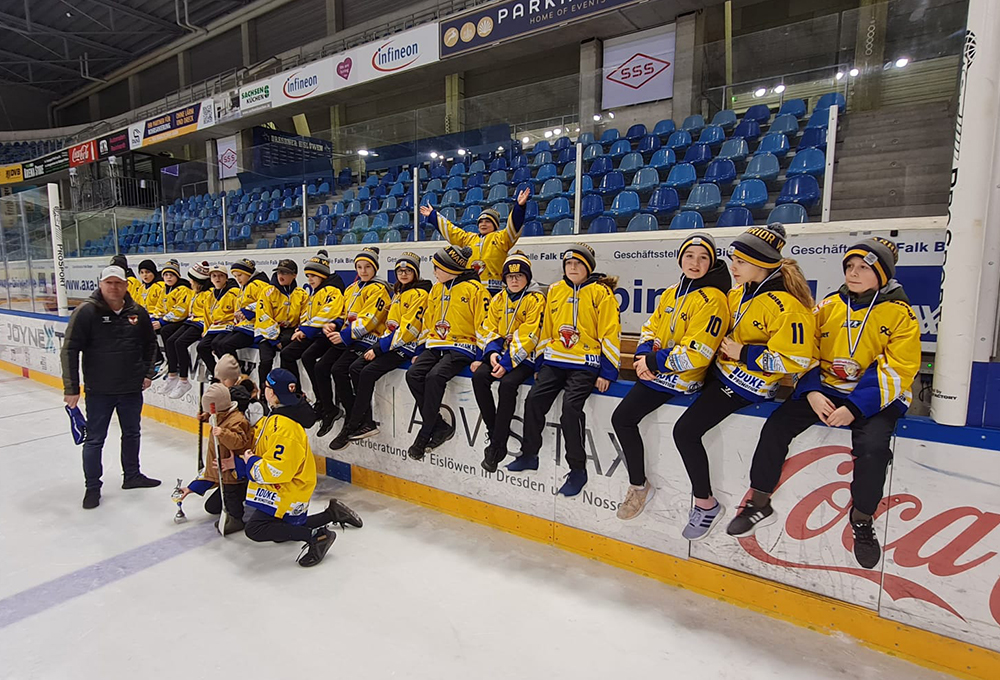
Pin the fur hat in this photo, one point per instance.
(370, 253)
(217, 395)
(517, 263)
(319, 264)
(227, 368)
(582, 253)
(452, 259)
(761, 245)
(878, 253)
(699, 239)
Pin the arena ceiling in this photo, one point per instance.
(60, 45)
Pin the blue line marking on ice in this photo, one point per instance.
(956, 475)
(20, 606)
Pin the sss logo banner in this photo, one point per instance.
(639, 68)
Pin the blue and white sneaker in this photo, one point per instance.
(575, 481)
(700, 521)
(523, 464)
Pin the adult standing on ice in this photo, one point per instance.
(117, 340)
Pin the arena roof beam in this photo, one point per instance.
(19, 26)
(48, 64)
(167, 26)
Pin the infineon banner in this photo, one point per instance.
(639, 67)
(507, 20)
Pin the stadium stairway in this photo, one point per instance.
(894, 162)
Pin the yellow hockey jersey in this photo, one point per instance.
(221, 307)
(681, 337)
(133, 285)
(200, 304)
(582, 328)
(282, 470)
(325, 305)
(405, 320)
(249, 298)
(151, 297)
(366, 306)
(512, 326)
(177, 302)
(279, 307)
(488, 252)
(873, 360)
(777, 332)
(455, 311)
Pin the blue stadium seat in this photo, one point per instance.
(262, 244)
(532, 228)
(689, 219)
(349, 239)
(497, 177)
(471, 215)
(585, 139)
(381, 221)
(682, 176)
(393, 236)
(788, 213)
(449, 214)
(698, 155)
(434, 185)
(630, 164)
(592, 151)
(645, 180)
(679, 140)
(389, 204)
(760, 113)
(541, 159)
(649, 145)
(566, 155)
(803, 190)
(431, 199)
(774, 143)
(455, 183)
(764, 167)
(625, 205)
(475, 179)
(343, 224)
(370, 206)
(663, 201)
(642, 223)
(370, 237)
(832, 99)
(550, 189)
(557, 209)
(313, 241)
(750, 194)
(457, 170)
(786, 124)
(735, 217)
(704, 197)
(793, 107)
(474, 196)
(586, 188)
(611, 183)
(499, 163)
(619, 149)
(562, 144)
(636, 132)
(664, 129)
(322, 210)
(498, 193)
(360, 223)
(602, 225)
(693, 124)
(450, 198)
(600, 167)
(546, 171)
(563, 228)
(713, 135)
(591, 206)
(813, 138)
(808, 162)
(663, 160)
(569, 170)
(401, 220)
(726, 119)
(331, 240)
(819, 119)
(609, 136)
(721, 172)
(748, 130)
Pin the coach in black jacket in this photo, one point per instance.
(118, 343)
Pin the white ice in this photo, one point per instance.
(414, 594)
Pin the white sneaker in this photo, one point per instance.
(169, 384)
(183, 387)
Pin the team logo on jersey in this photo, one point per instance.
(507, 340)
(133, 319)
(569, 335)
(478, 266)
(441, 328)
(391, 326)
(656, 345)
(352, 317)
(846, 369)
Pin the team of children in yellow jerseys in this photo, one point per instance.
(851, 358)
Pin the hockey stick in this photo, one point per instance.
(201, 428)
(213, 420)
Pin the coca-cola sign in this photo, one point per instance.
(81, 154)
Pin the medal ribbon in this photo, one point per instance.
(852, 346)
(677, 307)
(740, 311)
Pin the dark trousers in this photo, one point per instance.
(870, 438)
(341, 370)
(640, 401)
(308, 351)
(210, 347)
(292, 352)
(576, 385)
(427, 379)
(167, 331)
(715, 403)
(232, 497)
(100, 407)
(177, 344)
(267, 353)
(262, 527)
(364, 375)
(498, 415)
(322, 376)
(229, 342)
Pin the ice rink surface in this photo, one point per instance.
(123, 592)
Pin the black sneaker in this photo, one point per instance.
(493, 456)
(140, 481)
(341, 440)
(91, 499)
(442, 433)
(326, 425)
(315, 550)
(369, 429)
(867, 551)
(750, 518)
(419, 447)
(343, 515)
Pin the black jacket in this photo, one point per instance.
(117, 349)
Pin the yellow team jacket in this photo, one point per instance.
(886, 355)
(366, 306)
(177, 302)
(282, 470)
(488, 252)
(455, 311)
(777, 331)
(151, 297)
(512, 326)
(249, 298)
(221, 307)
(278, 308)
(699, 312)
(405, 320)
(325, 305)
(134, 285)
(582, 328)
(200, 304)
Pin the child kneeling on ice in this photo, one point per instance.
(232, 436)
(282, 474)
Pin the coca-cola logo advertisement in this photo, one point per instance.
(81, 154)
